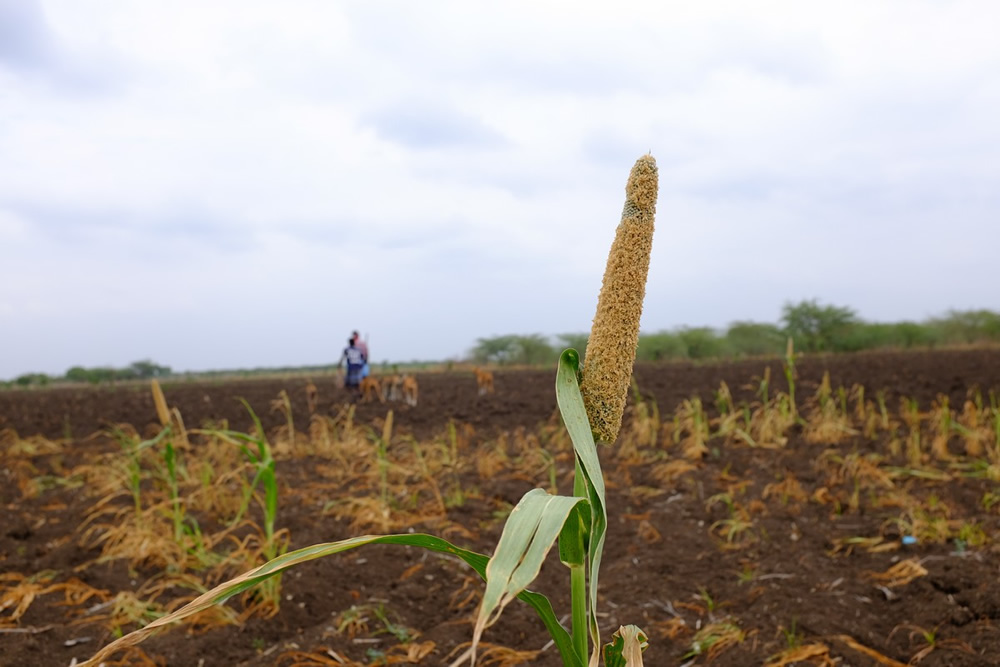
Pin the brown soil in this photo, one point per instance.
(668, 565)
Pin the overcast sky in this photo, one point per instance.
(227, 184)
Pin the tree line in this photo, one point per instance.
(137, 370)
(813, 326)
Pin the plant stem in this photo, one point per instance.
(578, 583)
(578, 580)
(170, 458)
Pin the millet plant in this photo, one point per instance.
(591, 403)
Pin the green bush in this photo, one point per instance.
(660, 347)
(138, 370)
(32, 380)
(968, 326)
(703, 343)
(754, 339)
(817, 328)
(532, 349)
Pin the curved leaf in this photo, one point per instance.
(531, 530)
(247, 580)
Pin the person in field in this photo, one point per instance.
(363, 346)
(356, 361)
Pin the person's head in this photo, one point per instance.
(350, 342)
(355, 335)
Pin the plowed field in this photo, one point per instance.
(864, 531)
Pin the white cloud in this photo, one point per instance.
(441, 171)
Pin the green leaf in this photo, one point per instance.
(263, 450)
(247, 580)
(531, 530)
(170, 458)
(572, 539)
(145, 444)
(267, 478)
(574, 415)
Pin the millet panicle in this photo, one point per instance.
(614, 336)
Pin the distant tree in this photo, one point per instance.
(137, 370)
(817, 328)
(102, 374)
(32, 379)
(499, 349)
(660, 347)
(968, 326)
(911, 334)
(755, 339)
(533, 350)
(78, 374)
(878, 335)
(867, 336)
(702, 343)
(146, 369)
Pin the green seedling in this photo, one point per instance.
(790, 375)
(257, 451)
(763, 388)
(990, 500)
(401, 633)
(176, 506)
(932, 642)
(883, 411)
(912, 418)
(133, 452)
(793, 637)
(432, 483)
(382, 456)
(706, 597)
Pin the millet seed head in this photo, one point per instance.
(614, 336)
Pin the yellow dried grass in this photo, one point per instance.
(899, 574)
